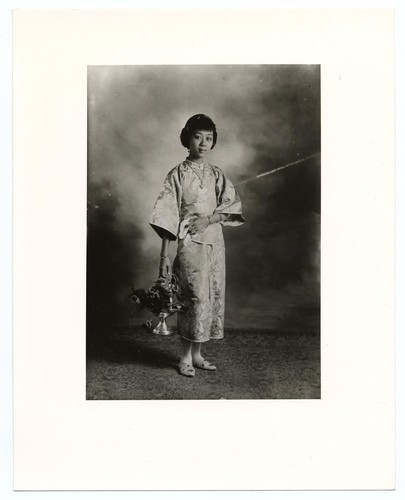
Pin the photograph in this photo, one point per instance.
(203, 229)
(203, 232)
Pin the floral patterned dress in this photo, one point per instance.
(191, 190)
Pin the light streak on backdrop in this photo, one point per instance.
(277, 169)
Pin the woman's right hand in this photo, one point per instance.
(165, 267)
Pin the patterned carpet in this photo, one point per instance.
(131, 363)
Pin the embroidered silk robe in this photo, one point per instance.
(189, 191)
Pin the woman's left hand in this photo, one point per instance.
(198, 225)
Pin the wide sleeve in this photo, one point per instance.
(228, 200)
(165, 214)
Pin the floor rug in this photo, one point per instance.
(131, 363)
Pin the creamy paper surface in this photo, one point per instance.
(343, 441)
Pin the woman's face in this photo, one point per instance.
(201, 142)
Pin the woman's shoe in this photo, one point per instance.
(204, 365)
(186, 370)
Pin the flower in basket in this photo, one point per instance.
(159, 300)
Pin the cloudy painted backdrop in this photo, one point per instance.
(266, 116)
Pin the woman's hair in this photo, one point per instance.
(200, 122)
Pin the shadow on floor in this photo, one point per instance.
(130, 363)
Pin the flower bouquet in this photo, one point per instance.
(161, 300)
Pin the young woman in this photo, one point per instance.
(195, 201)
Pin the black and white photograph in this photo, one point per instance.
(203, 240)
(203, 232)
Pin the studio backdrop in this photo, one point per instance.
(267, 116)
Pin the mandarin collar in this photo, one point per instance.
(192, 164)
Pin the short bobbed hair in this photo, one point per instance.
(198, 122)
